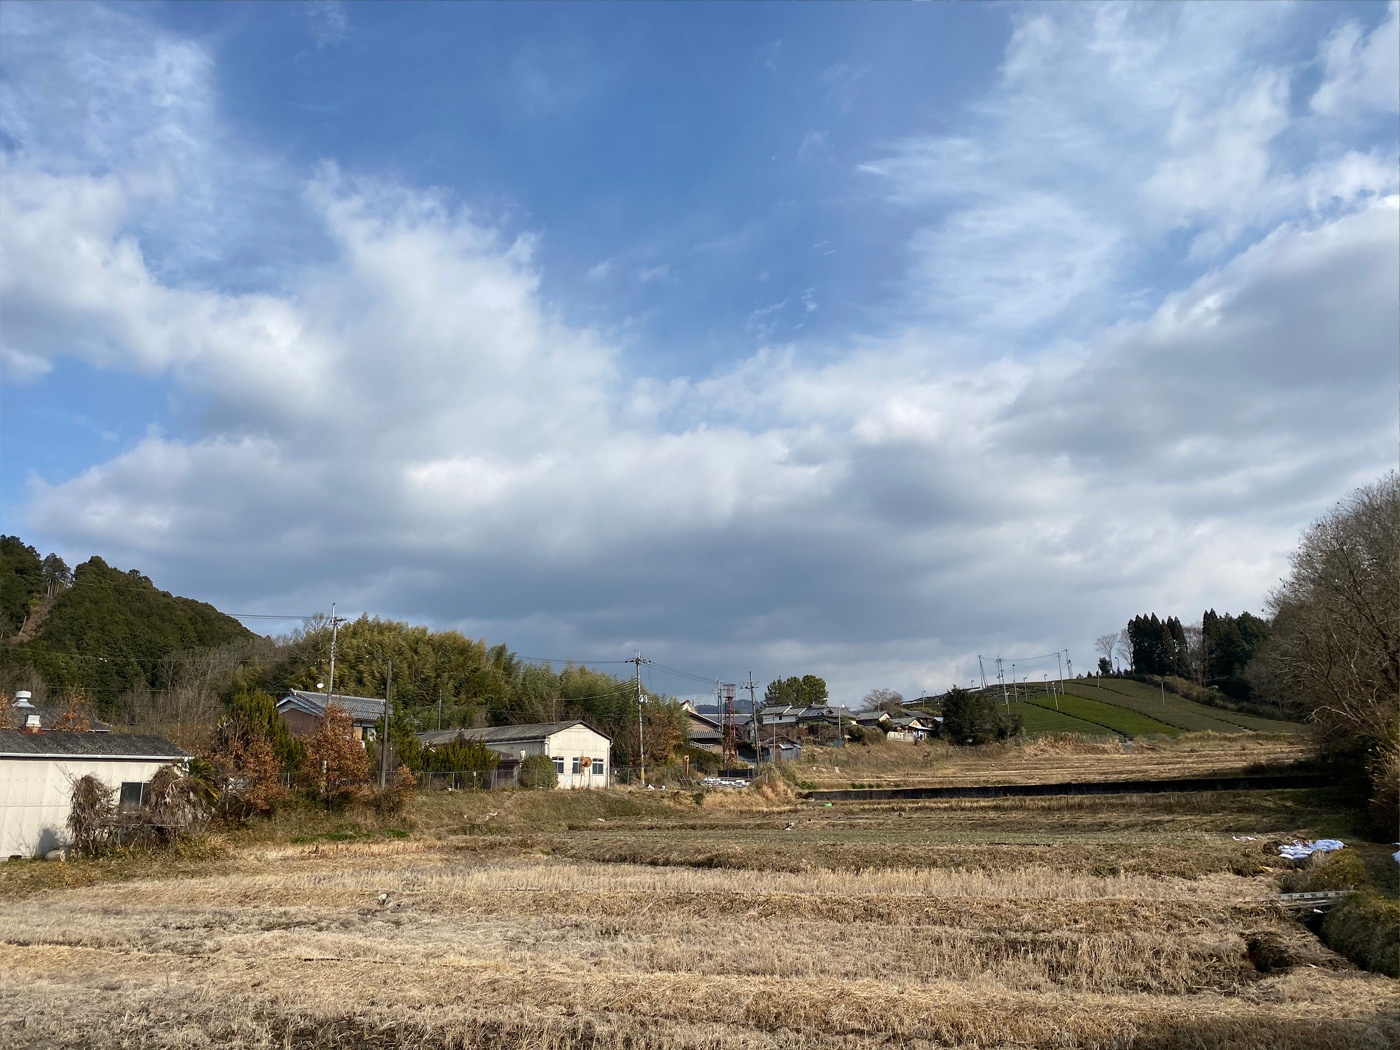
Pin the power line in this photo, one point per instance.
(566, 660)
(1028, 659)
(272, 616)
(707, 679)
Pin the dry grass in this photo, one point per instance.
(1047, 760)
(650, 920)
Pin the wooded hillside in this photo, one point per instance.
(102, 629)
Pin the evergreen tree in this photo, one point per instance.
(971, 718)
(21, 583)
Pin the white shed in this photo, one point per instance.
(37, 772)
(580, 752)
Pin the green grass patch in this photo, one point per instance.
(1041, 721)
(1176, 710)
(1145, 700)
(1109, 716)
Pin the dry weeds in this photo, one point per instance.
(638, 921)
(1047, 760)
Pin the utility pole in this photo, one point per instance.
(384, 741)
(637, 662)
(730, 746)
(753, 718)
(1062, 670)
(1001, 677)
(1013, 683)
(330, 679)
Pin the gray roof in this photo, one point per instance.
(49, 716)
(506, 734)
(144, 746)
(915, 721)
(360, 708)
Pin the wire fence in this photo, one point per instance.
(467, 780)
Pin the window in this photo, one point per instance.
(131, 796)
(559, 766)
(576, 769)
(597, 767)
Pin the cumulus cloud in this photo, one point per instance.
(401, 421)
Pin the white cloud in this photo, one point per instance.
(842, 80)
(1361, 71)
(814, 146)
(403, 421)
(1113, 127)
(653, 273)
(328, 21)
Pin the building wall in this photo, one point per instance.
(302, 724)
(36, 794)
(581, 742)
(575, 742)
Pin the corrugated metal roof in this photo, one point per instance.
(360, 708)
(506, 734)
(14, 744)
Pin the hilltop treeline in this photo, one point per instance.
(145, 657)
(1216, 653)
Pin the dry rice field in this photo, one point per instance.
(1051, 760)
(609, 920)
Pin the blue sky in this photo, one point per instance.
(846, 339)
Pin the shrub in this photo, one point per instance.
(460, 755)
(1365, 927)
(243, 768)
(537, 772)
(773, 783)
(1342, 870)
(91, 816)
(335, 762)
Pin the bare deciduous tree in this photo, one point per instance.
(1335, 647)
(884, 700)
(1195, 652)
(1104, 645)
(1123, 647)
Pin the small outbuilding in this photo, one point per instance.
(912, 728)
(580, 753)
(38, 770)
(303, 711)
